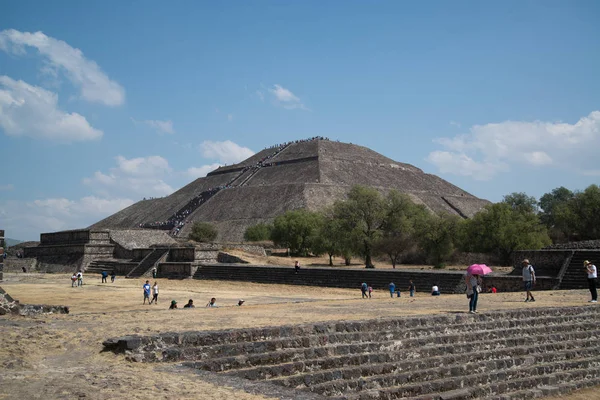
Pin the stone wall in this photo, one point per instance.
(182, 254)
(176, 270)
(140, 254)
(507, 283)
(65, 237)
(545, 262)
(447, 281)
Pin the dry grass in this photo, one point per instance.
(59, 356)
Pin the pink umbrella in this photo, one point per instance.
(479, 269)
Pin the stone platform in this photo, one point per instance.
(509, 354)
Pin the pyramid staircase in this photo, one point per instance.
(110, 265)
(150, 261)
(517, 354)
(575, 277)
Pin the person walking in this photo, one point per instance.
(79, 278)
(154, 272)
(104, 276)
(592, 274)
(146, 288)
(473, 289)
(154, 293)
(392, 287)
(528, 279)
(363, 289)
(113, 275)
(297, 266)
(74, 280)
(411, 288)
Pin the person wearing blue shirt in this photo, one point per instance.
(392, 289)
(363, 288)
(146, 288)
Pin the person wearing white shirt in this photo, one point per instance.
(592, 274)
(435, 291)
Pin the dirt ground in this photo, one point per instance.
(60, 356)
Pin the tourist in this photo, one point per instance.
(473, 289)
(392, 287)
(435, 291)
(297, 266)
(528, 279)
(154, 293)
(74, 280)
(104, 276)
(173, 305)
(493, 290)
(146, 288)
(79, 278)
(241, 302)
(370, 291)
(154, 272)
(411, 288)
(24, 269)
(363, 288)
(190, 304)
(212, 303)
(113, 275)
(592, 275)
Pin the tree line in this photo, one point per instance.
(367, 224)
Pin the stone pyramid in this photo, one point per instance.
(307, 174)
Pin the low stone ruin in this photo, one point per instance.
(515, 354)
(8, 305)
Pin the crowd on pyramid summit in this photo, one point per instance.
(176, 222)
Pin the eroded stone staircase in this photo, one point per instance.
(517, 354)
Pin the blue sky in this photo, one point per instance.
(104, 103)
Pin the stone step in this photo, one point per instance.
(547, 390)
(234, 349)
(488, 383)
(484, 362)
(357, 366)
(419, 347)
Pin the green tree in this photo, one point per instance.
(331, 238)
(521, 202)
(399, 230)
(585, 211)
(362, 216)
(296, 230)
(556, 213)
(203, 232)
(437, 235)
(258, 232)
(502, 229)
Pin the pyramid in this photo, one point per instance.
(308, 174)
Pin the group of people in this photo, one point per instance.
(77, 279)
(367, 291)
(104, 275)
(212, 303)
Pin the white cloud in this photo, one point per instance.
(286, 99)
(199, 172)
(94, 84)
(492, 148)
(229, 117)
(158, 125)
(461, 164)
(135, 177)
(26, 220)
(226, 152)
(7, 187)
(27, 110)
